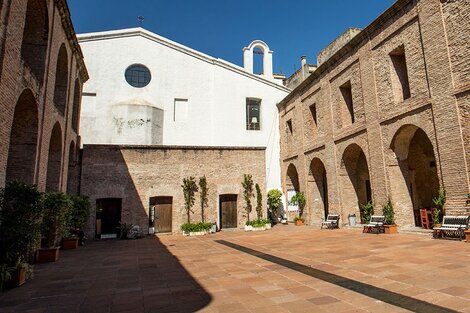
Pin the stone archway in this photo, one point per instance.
(318, 188)
(61, 80)
(35, 38)
(413, 175)
(292, 181)
(355, 180)
(21, 162)
(54, 161)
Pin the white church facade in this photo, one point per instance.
(155, 112)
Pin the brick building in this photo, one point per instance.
(125, 182)
(41, 77)
(386, 116)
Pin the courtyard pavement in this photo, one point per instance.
(286, 269)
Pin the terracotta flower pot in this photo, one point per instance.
(467, 235)
(70, 243)
(18, 278)
(391, 229)
(44, 255)
(299, 223)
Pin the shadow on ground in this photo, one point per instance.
(110, 276)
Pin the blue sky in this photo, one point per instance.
(221, 28)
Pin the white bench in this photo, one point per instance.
(452, 226)
(376, 224)
(331, 222)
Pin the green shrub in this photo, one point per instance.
(80, 211)
(274, 200)
(299, 199)
(197, 227)
(389, 213)
(57, 208)
(20, 215)
(438, 202)
(367, 211)
(189, 189)
(124, 230)
(247, 185)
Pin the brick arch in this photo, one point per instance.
(61, 80)
(318, 187)
(54, 160)
(354, 179)
(77, 95)
(22, 151)
(35, 38)
(292, 178)
(413, 177)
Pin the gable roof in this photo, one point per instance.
(140, 32)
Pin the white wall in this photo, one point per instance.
(215, 89)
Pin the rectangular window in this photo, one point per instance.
(181, 108)
(347, 108)
(289, 127)
(253, 114)
(313, 112)
(400, 83)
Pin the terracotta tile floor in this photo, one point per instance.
(286, 269)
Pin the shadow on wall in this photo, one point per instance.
(109, 276)
(106, 179)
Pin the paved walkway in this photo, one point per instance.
(286, 269)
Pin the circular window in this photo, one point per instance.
(138, 75)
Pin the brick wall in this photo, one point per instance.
(27, 80)
(413, 144)
(137, 173)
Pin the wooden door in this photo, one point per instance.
(163, 214)
(228, 211)
(108, 215)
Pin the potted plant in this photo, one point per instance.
(467, 232)
(258, 225)
(20, 272)
(367, 212)
(299, 199)
(20, 214)
(189, 189)
(248, 226)
(76, 221)
(247, 185)
(438, 202)
(204, 190)
(57, 206)
(274, 203)
(390, 226)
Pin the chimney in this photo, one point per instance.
(303, 61)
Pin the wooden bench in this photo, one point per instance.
(331, 222)
(452, 227)
(376, 224)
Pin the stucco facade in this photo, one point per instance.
(385, 117)
(192, 99)
(41, 77)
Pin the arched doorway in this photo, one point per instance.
(355, 180)
(21, 162)
(61, 80)
(319, 188)
(413, 178)
(292, 185)
(35, 38)
(54, 160)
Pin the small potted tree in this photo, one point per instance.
(78, 217)
(390, 226)
(467, 232)
(274, 203)
(299, 199)
(367, 212)
(438, 202)
(20, 214)
(57, 206)
(247, 185)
